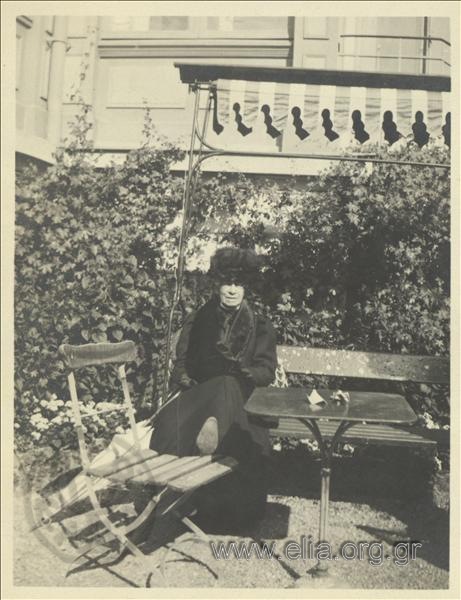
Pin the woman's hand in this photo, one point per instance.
(225, 351)
(185, 382)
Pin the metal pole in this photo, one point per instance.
(325, 496)
(321, 567)
(182, 242)
(194, 171)
(326, 451)
(426, 43)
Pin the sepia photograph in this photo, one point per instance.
(230, 271)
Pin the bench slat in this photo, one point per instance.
(385, 434)
(331, 427)
(367, 365)
(364, 438)
(365, 435)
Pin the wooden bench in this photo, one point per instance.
(363, 365)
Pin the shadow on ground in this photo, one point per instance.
(396, 481)
(386, 494)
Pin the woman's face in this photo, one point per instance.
(231, 295)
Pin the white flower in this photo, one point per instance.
(429, 422)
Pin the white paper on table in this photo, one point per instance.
(315, 398)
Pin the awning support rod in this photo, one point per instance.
(189, 188)
(179, 272)
(222, 152)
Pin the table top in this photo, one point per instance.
(373, 407)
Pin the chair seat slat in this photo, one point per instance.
(183, 466)
(180, 466)
(125, 469)
(206, 474)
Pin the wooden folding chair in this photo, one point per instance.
(175, 478)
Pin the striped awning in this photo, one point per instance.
(323, 115)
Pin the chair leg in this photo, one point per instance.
(175, 502)
(165, 502)
(118, 533)
(195, 528)
(145, 514)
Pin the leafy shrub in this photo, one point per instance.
(90, 267)
(373, 247)
(356, 258)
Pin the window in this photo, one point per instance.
(249, 24)
(185, 26)
(395, 44)
(170, 23)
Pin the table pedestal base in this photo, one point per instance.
(326, 449)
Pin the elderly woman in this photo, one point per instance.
(225, 349)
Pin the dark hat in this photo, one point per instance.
(241, 263)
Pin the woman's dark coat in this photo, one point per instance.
(221, 356)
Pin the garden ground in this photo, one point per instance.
(382, 495)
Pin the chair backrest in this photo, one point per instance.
(95, 355)
(98, 354)
(366, 365)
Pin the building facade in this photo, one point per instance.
(122, 65)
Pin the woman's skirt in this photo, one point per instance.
(237, 498)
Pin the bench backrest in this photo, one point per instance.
(367, 365)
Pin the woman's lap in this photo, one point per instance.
(175, 432)
(179, 422)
